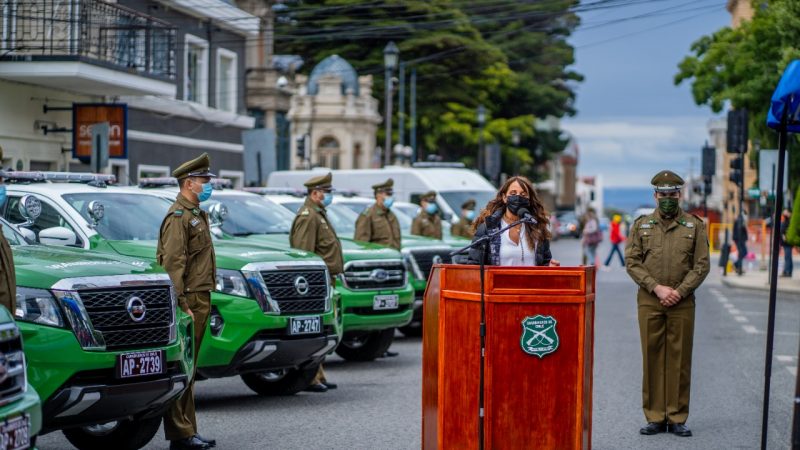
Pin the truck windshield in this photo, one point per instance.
(12, 236)
(128, 216)
(250, 214)
(457, 198)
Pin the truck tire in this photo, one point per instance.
(280, 382)
(365, 345)
(120, 435)
(411, 331)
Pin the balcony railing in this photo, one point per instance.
(87, 30)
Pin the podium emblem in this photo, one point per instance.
(539, 335)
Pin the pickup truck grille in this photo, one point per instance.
(425, 259)
(108, 312)
(12, 361)
(287, 288)
(370, 275)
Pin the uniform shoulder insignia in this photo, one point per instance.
(177, 213)
(646, 225)
(196, 212)
(305, 212)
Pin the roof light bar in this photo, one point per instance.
(58, 177)
(275, 191)
(155, 182)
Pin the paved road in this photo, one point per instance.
(378, 404)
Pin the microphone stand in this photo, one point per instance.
(483, 243)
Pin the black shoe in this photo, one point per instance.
(210, 442)
(680, 429)
(653, 428)
(389, 354)
(330, 385)
(319, 387)
(190, 443)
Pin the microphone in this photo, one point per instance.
(525, 214)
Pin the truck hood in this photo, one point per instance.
(41, 266)
(231, 254)
(351, 250)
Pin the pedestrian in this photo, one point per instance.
(616, 237)
(186, 253)
(788, 264)
(427, 223)
(592, 236)
(378, 224)
(740, 239)
(522, 245)
(8, 280)
(464, 228)
(313, 232)
(667, 256)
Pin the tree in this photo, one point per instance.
(742, 66)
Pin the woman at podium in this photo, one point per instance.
(525, 244)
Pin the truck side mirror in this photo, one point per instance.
(217, 212)
(57, 236)
(96, 212)
(30, 208)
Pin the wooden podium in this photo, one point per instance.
(538, 374)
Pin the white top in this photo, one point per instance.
(512, 254)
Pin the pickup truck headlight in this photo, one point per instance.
(232, 282)
(38, 306)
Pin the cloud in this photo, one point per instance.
(626, 151)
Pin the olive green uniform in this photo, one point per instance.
(379, 225)
(674, 253)
(8, 280)
(428, 225)
(463, 228)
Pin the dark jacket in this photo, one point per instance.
(543, 255)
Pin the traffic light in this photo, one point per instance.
(737, 166)
(709, 160)
(301, 147)
(737, 134)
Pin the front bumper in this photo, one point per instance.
(251, 341)
(359, 314)
(30, 405)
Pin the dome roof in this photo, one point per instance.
(337, 66)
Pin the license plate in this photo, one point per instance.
(141, 364)
(385, 302)
(15, 433)
(305, 325)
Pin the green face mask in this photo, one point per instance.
(668, 206)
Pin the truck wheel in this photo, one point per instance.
(411, 331)
(365, 345)
(119, 435)
(280, 382)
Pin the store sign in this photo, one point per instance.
(85, 115)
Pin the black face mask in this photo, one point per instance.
(515, 202)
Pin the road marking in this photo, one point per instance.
(740, 319)
(785, 358)
(750, 329)
(715, 292)
(753, 313)
(728, 305)
(792, 370)
(734, 311)
(722, 300)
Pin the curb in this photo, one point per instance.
(758, 287)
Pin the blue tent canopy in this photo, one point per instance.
(786, 95)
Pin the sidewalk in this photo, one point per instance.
(759, 280)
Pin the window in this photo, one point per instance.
(236, 177)
(227, 86)
(49, 218)
(357, 156)
(328, 153)
(195, 70)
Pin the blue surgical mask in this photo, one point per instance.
(205, 194)
(388, 202)
(431, 208)
(2, 194)
(470, 215)
(327, 199)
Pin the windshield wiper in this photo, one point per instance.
(244, 234)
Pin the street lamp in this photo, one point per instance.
(391, 54)
(481, 122)
(515, 137)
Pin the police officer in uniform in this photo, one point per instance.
(667, 256)
(427, 223)
(186, 253)
(463, 227)
(8, 280)
(313, 232)
(378, 224)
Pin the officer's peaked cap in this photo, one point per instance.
(198, 167)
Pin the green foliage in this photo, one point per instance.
(509, 55)
(793, 233)
(742, 66)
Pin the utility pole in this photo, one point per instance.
(401, 107)
(413, 107)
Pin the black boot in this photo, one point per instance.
(653, 428)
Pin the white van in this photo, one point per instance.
(453, 186)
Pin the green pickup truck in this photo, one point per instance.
(20, 408)
(106, 347)
(375, 294)
(273, 317)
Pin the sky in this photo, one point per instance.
(632, 120)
